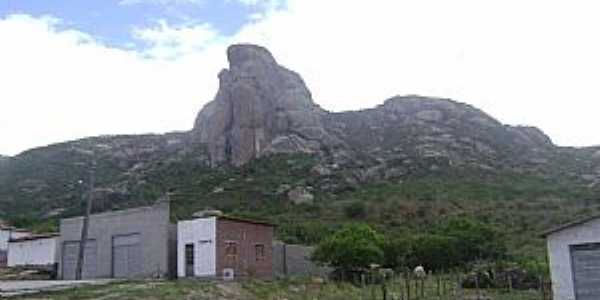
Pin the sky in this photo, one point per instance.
(71, 69)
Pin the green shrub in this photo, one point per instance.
(356, 246)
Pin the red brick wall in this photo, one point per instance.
(246, 236)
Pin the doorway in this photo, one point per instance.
(189, 260)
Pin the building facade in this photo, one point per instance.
(6, 234)
(225, 247)
(574, 260)
(33, 251)
(134, 243)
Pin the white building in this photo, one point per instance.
(33, 250)
(574, 257)
(6, 234)
(196, 248)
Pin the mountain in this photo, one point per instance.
(263, 144)
(262, 108)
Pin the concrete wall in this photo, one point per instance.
(247, 236)
(202, 234)
(560, 257)
(39, 252)
(8, 233)
(152, 223)
(4, 237)
(294, 261)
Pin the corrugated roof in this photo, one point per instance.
(569, 225)
(34, 237)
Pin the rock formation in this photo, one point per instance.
(261, 107)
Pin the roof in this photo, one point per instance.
(242, 220)
(115, 213)
(569, 225)
(34, 237)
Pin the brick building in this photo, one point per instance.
(225, 247)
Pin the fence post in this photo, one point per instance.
(439, 288)
(542, 290)
(407, 286)
(477, 286)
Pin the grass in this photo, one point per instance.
(299, 289)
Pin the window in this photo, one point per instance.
(189, 254)
(260, 251)
(231, 250)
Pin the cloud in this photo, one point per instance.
(62, 85)
(172, 41)
(532, 62)
(160, 2)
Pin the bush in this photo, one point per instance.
(356, 210)
(476, 240)
(353, 247)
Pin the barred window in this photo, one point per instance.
(231, 250)
(260, 251)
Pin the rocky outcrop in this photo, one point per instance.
(261, 107)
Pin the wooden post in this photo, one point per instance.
(407, 286)
(477, 286)
(444, 290)
(439, 287)
(542, 291)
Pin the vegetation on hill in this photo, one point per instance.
(519, 205)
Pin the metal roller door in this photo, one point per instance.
(70, 253)
(127, 256)
(586, 271)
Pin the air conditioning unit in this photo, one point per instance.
(228, 274)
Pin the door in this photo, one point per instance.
(189, 260)
(127, 256)
(70, 254)
(586, 271)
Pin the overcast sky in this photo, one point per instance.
(70, 69)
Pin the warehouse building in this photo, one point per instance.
(574, 259)
(224, 247)
(134, 243)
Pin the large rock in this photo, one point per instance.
(261, 107)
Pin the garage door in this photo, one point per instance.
(586, 271)
(127, 256)
(70, 253)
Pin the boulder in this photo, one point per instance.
(260, 108)
(300, 195)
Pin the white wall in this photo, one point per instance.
(201, 233)
(19, 234)
(37, 252)
(4, 237)
(559, 255)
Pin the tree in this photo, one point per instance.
(398, 253)
(435, 252)
(478, 241)
(355, 246)
(356, 210)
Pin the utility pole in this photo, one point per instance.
(86, 222)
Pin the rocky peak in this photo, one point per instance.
(244, 56)
(260, 107)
